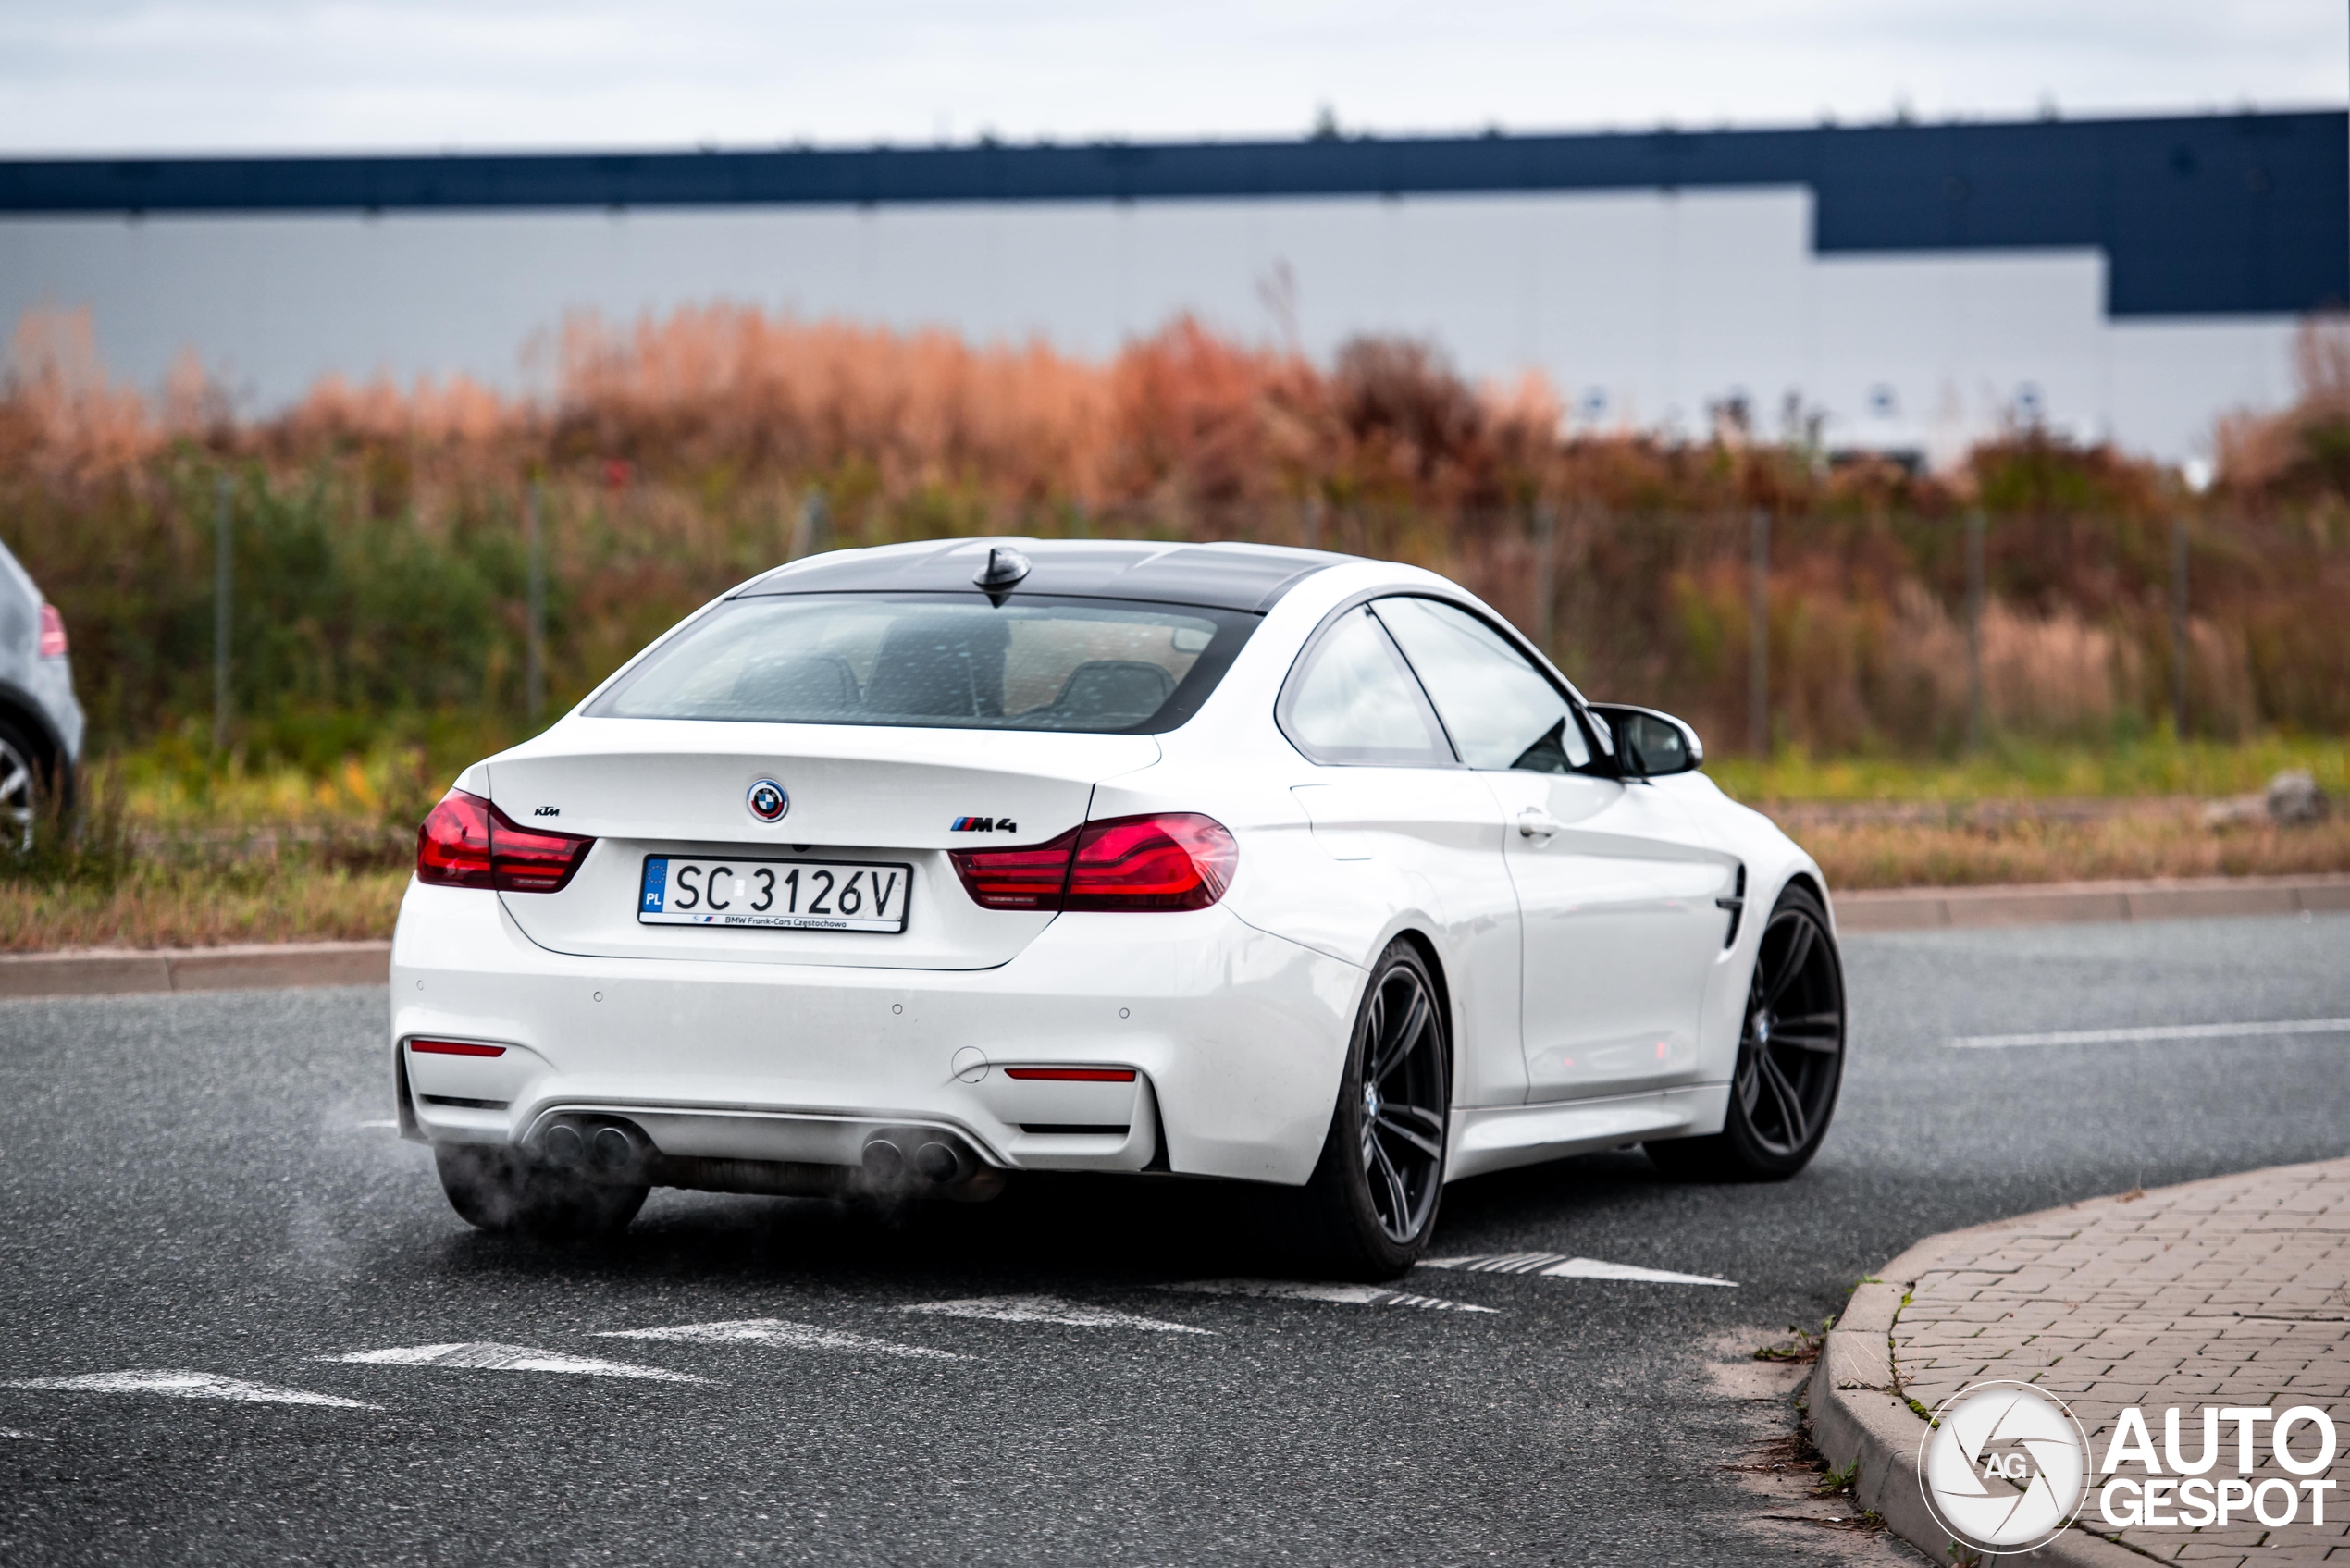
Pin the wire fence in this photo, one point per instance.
(299, 616)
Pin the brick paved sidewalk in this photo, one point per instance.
(2228, 1292)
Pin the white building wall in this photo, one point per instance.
(1645, 308)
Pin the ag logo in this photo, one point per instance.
(767, 801)
(2004, 1468)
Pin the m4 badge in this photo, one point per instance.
(984, 824)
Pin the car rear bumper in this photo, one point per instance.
(1236, 1039)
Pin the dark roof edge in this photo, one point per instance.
(1119, 144)
(2219, 214)
(1101, 171)
(1247, 578)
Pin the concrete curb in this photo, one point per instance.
(109, 971)
(1931, 909)
(1856, 1418)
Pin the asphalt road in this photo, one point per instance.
(202, 1184)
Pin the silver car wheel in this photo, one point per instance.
(19, 799)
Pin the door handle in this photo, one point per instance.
(1535, 822)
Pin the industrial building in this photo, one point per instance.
(1902, 287)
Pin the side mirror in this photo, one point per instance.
(1650, 745)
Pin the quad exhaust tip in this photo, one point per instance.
(902, 1160)
(611, 1149)
(885, 1163)
(913, 1158)
(601, 1148)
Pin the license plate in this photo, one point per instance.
(787, 895)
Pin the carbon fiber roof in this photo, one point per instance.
(1222, 576)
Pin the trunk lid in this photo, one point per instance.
(643, 787)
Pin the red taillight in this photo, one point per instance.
(452, 847)
(53, 631)
(467, 842)
(453, 1048)
(1074, 1075)
(531, 859)
(1170, 860)
(1175, 860)
(1032, 878)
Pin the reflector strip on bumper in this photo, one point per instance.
(460, 1048)
(1074, 1075)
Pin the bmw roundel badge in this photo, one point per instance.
(767, 801)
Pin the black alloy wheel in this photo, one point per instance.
(1402, 1110)
(1370, 1206)
(1790, 1060)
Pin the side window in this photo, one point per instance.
(1500, 710)
(1353, 701)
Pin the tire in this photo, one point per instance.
(1791, 1062)
(24, 781)
(499, 1189)
(1370, 1208)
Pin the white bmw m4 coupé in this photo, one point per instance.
(899, 870)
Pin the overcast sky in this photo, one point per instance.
(192, 75)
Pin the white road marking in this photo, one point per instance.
(186, 1386)
(1555, 1265)
(1343, 1295)
(775, 1331)
(2157, 1031)
(485, 1357)
(1048, 1309)
(387, 1121)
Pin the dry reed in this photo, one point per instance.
(379, 525)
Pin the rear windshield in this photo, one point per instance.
(938, 660)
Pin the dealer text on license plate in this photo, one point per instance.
(790, 894)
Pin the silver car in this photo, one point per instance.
(40, 720)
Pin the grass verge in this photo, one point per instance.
(171, 850)
(162, 855)
(2152, 765)
(202, 906)
(2153, 839)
